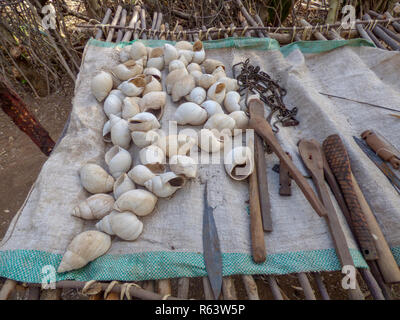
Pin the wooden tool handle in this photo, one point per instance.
(263, 128)
(256, 228)
(339, 162)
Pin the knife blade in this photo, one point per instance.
(390, 175)
(211, 248)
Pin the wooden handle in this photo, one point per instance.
(263, 128)
(339, 162)
(256, 229)
(285, 181)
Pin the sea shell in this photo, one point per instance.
(170, 53)
(118, 160)
(107, 131)
(85, 247)
(219, 73)
(165, 184)
(95, 179)
(128, 69)
(156, 59)
(193, 67)
(175, 64)
(197, 95)
(239, 163)
(183, 165)
(182, 87)
(154, 102)
(198, 52)
(187, 55)
(145, 138)
(138, 50)
(211, 64)
(152, 84)
(140, 202)
(120, 135)
(173, 77)
(94, 207)
(184, 45)
(209, 142)
(206, 81)
(140, 174)
(183, 60)
(153, 72)
(125, 54)
(241, 119)
(113, 104)
(133, 87)
(190, 113)
(175, 144)
(153, 157)
(122, 184)
(101, 85)
(212, 107)
(130, 107)
(125, 225)
(221, 122)
(143, 121)
(217, 92)
(196, 75)
(231, 101)
(230, 84)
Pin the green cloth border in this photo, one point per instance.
(26, 265)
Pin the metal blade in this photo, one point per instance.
(392, 177)
(211, 248)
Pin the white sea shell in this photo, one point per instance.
(133, 87)
(118, 160)
(173, 77)
(199, 54)
(230, 84)
(156, 59)
(153, 72)
(219, 73)
(190, 113)
(187, 55)
(101, 85)
(183, 165)
(231, 101)
(113, 104)
(140, 174)
(122, 184)
(170, 53)
(175, 64)
(184, 45)
(120, 135)
(193, 67)
(128, 69)
(130, 107)
(143, 121)
(94, 207)
(125, 225)
(217, 92)
(145, 138)
(196, 75)
(241, 119)
(95, 179)
(152, 84)
(183, 60)
(206, 81)
(182, 87)
(210, 65)
(154, 102)
(175, 144)
(212, 107)
(153, 157)
(85, 247)
(221, 122)
(165, 184)
(209, 142)
(197, 95)
(107, 131)
(137, 50)
(140, 202)
(239, 163)
(125, 54)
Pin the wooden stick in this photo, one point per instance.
(143, 21)
(274, 288)
(120, 33)
(183, 288)
(153, 25)
(164, 287)
(7, 288)
(114, 23)
(372, 284)
(382, 35)
(305, 284)
(162, 29)
(321, 286)
(364, 34)
(149, 285)
(261, 24)
(128, 35)
(158, 23)
(248, 17)
(209, 295)
(395, 24)
(105, 21)
(33, 293)
(379, 279)
(250, 286)
(136, 34)
(51, 294)
(318, 35)
(228, 289)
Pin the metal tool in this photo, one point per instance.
(211, 248)
(392, 177)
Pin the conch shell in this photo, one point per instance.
(231, 101)
(190, 113)
(173, 77)
(113, 103)
(107, 131)
(128, 70)
(209, 142)
(165, 184)
(175, 144)
(196, 76)
(140, 174)
(176, 64)
(101, 85)
(239, 163)
(212, 107)
(221, 122)
(182, 87)
(153, 72)
(140, 202)
(130, 107)
(211, 64)
(230, 84)
(170, 53)
(120, 135)
(118, 160)
(125, 225)
(156, 59)
(95, 179)
(154, 102)
(145, 138)
(94, 207)
(198, 52)
(153, 157)
(193, 67)
(85, 247)
(137, 50)
(219, 73)
(183, 165)
(197, 95)
(206, 80)
(217, 92)
(184, 45)
(241, 119)
(133, 87)
(185, 56)
(143, 121)
(122, 184)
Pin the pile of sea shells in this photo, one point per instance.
(134, 101)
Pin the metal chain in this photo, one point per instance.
(252, 80)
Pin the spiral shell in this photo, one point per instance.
(212, 107)
(183, 45)
(209, 142)
(221, 122)
(143, 121)
(211, 64)
(190, 113)
(101, 85)
(165, 184)
(95, 179)
(85, 247)
(197, 95)
(193, 67)
(198, 52)
(113, 104)
(230, 84)
(183, 165)
(241, 119)
(122, 185)
(206, 80)
(173, 77)
(130, 107)
(140, 174)
(118, 160)
(140, 202)
(153, 72)
(137, 50)
(154, 102)
(145, 138)
(120, 135)
(170, 53)
(94, 207)
(133, 87)
(219, 73)
(231, 101)
(185, 56)
(153, 157)
(239, 163)
(175, 64)
(217, 92)
(175, 144)
(125, 225)
(156, 59)
(128, 70)
(182, 87)
(107, 131)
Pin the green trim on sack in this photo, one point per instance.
(26, 265)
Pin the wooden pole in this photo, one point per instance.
(7, 288)
(128, 35)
